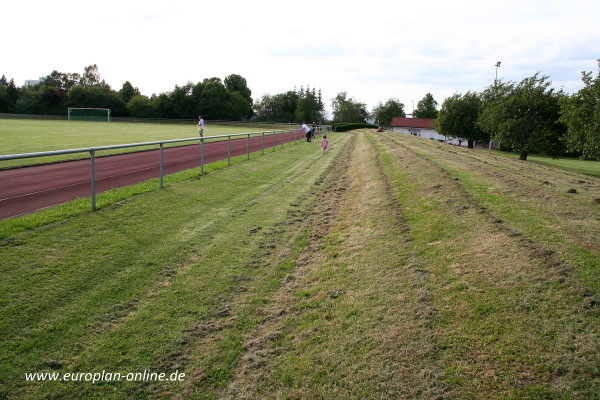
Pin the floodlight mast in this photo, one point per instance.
(497, 66)
(495, 83)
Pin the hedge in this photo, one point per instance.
(343, 127)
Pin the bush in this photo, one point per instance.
(343, 127)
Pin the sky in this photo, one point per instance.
(373, 50)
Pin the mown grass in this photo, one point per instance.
(352, 323)
(513, 295)
(570, 164)
(390, 268)
(140, 284)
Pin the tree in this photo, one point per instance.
(264, 108)
(309, 106)
(9, 95)
(96, 97)
(384, 113)
(182, 103)
(140, 106)
(348, 109)
(237, 83)
(214, 100)
(581, 115)
(237, 86)
(458, 118)
(523, 116)
(63, 81)
(277, 108)
(128, 91)
(91, 77)
(241, 109)
(286, 105)
(4, 104)
(426, 107)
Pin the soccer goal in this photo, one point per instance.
(89, 114)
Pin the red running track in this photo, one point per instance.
(28, 189)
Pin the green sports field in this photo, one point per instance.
(32, 136)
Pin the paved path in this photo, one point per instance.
(28, 189)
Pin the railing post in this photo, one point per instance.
(273, 135)
(93, 177)
(202, 156)
(228, 150)
(263, 143)
(282, 138)
(162, 147)
(248, 147)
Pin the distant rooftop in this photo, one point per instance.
(401, 122)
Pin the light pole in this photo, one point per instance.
(497, 66)
(495, 83)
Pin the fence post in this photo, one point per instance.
(162, 146)
(282, 138)
(93, 177)
(248, 147)
(228, 150)
(263, 143)
(273, 136)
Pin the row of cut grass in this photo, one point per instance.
(508, 311)
(141, 284)
(379, 270)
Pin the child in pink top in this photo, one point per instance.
(324, 143)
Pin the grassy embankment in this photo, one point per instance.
(570, 164)
(393, 267)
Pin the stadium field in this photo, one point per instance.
(31, 136)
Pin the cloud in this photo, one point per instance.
(374, 51)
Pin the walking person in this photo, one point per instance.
(308, 131)
(200, 126)
(324, 143)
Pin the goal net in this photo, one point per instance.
(89, 114)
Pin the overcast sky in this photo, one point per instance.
(373, 49)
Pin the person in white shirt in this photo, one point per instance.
(201, 126)
(307, 130)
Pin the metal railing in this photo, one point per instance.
(297, 134)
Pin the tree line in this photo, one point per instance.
(216, 99)
(528, 117)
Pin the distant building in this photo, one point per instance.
(33, 82)
(422, 127)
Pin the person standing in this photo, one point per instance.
(307, 131)
(200, 126)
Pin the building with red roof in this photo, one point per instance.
(422, 127)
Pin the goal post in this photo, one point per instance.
(89, 114)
